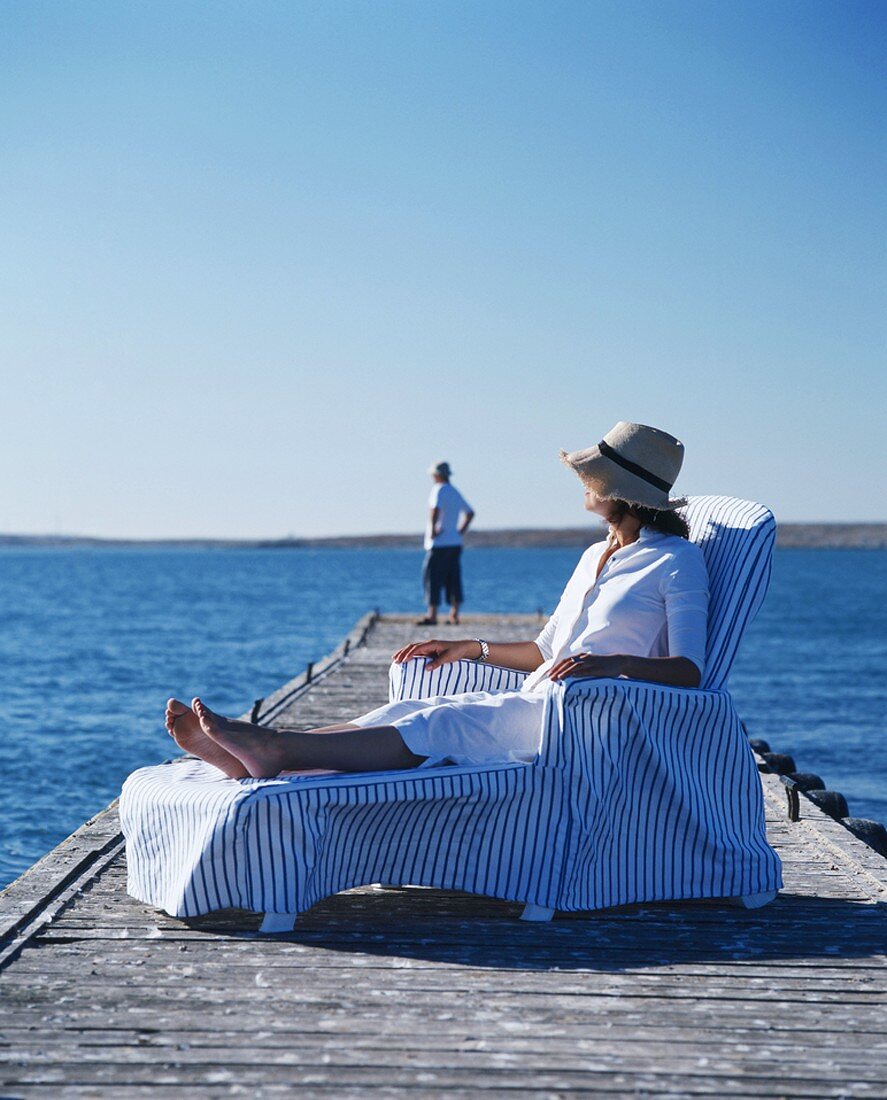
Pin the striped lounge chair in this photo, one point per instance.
(640, 793)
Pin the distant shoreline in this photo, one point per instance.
(808, 536)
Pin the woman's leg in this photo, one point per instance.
(267, 752)
(184, 728)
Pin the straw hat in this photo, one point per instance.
(633, 463)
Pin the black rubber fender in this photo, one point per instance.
(872, 833)
(808, 781)
(779, 762)
(832, 803)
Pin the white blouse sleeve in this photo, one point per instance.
(545, 640)
(685, 590)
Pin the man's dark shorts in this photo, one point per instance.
(442, 570)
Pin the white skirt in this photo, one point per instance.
(478, 727)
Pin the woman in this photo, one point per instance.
(635, 607)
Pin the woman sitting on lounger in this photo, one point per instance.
(635, 607)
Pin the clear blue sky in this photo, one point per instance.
(262, 263)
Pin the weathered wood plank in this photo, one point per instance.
(690, 1080)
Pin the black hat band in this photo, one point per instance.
(632, 467)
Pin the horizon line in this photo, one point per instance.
(413, 535)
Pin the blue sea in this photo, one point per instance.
(92, 641)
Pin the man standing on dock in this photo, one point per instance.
(449, 515)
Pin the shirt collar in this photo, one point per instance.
(650, 534)
(646, 534)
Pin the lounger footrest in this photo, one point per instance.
(754, 901)
(537, 913)
(278, 922)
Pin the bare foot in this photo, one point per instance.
(184, 728)
(257, 748)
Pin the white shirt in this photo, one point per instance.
(450, 504)
(650, 600)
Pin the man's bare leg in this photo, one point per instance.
(454, 613)
(184, 728)
(267, 752)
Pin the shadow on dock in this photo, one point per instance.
(462, 930)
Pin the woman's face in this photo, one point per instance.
(594, 503)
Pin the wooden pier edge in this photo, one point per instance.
(833, 839)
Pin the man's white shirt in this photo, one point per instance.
(451, 506)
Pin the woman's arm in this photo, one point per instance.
(685, 591)
(673, 671)
(523, 656)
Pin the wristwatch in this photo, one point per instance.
(484, 650)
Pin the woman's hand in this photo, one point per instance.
(671, 671)
(441, 653)
(587, 664)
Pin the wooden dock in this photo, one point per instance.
(421, 993)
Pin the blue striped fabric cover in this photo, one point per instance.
(737, 538)
(414, 681)
(640, 793)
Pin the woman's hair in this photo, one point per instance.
(666, 520)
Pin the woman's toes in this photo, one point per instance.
(175, 708)
(204, 711)
(204, 715)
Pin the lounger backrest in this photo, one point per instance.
(736, 537)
